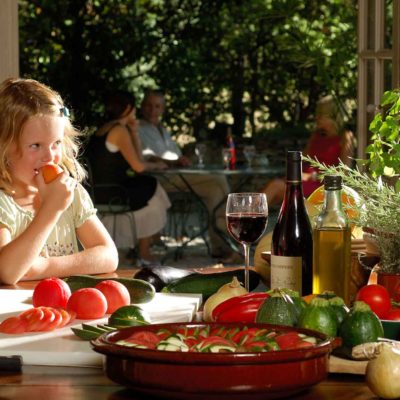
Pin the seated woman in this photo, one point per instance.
(329, 143)
(112, 151)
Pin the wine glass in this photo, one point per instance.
(249, 152)
(226, 156)
(246, 219)
(200, 151)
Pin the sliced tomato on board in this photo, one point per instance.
(67, 316)
(33, 316)
(13, 325)
(56, 322)
(48, 318)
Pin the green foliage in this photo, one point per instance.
(384, 150)
(258, 64)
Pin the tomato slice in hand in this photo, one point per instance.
(13, 325)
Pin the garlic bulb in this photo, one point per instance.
(383, 372)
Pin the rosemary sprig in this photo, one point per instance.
(378, 209)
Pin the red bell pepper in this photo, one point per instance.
(239, 308)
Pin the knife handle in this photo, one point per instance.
(11, 363)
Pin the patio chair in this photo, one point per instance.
(116, 214)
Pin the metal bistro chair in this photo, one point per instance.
(117, 207)
(187, 220)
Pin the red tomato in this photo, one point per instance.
(116, 293)
(50, 172)
(393, 314)
(87, 303)
(51, 292)
(377, 297)
(13, 325)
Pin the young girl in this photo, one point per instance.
(40, 223)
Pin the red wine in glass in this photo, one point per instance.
(246, 227)
(246, 220)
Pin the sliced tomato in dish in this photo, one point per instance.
(245, 335)
(217, 340)
(287, 340)
(13, 325)
(145, 338)
(302, 344)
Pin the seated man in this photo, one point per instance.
(157, 144)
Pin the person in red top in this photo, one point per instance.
(329, 143)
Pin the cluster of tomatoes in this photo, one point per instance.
(378, 298)
(54, 306)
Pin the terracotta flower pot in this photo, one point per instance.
(391, 282)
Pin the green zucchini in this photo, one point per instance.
(319, 316)
(139, 290)
(361, 325)
(277, 309)
(208, 284)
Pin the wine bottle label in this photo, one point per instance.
(286, 272)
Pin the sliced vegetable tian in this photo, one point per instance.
(219, 339)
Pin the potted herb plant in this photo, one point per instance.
(376, 181)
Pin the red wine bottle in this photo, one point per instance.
(292, 246)
(231, 146)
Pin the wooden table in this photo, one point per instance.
(65, 383)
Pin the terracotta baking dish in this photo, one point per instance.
(178, 375)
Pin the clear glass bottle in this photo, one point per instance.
(332, 243)
(291, 250)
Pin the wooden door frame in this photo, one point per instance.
(378, 55)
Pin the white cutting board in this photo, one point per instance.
(62, 347)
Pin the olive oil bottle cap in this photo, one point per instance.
(332, 182)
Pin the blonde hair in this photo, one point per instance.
(21, 99)
(327, 107)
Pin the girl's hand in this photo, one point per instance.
(58, 194)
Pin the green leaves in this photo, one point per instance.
(384, 151)
(264, 60)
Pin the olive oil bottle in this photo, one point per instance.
(332, 243)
